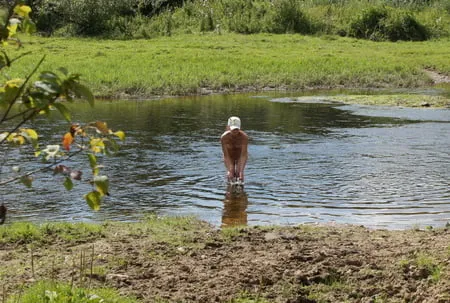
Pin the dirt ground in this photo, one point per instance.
(306, 263)
(438, 78)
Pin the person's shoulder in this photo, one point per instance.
(244, 134)
(225, 133)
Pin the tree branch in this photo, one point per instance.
(13, 179)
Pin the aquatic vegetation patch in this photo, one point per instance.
(407, 100)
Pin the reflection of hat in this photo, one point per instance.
(234, 122)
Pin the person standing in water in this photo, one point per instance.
(234, 147)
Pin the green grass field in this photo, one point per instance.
(190, 64)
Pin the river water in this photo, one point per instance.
(310, 161)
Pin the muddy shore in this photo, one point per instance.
(199, 263)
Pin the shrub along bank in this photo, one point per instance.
(377, 20)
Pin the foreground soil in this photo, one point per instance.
(199, 263)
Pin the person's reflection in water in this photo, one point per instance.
(234, 207)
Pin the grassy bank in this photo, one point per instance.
(192, 64)
(186, 260)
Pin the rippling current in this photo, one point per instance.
(309, 161)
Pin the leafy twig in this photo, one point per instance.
(19, 92)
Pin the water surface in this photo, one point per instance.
(310, 161)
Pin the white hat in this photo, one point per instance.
(234, 122)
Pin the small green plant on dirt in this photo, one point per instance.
(424, 266)
(20, 232)
(229, 233)
(118, 261)
(245, 297)
(430, 265)
(99, 270)
(73, 232)
(52, 292)
(380, 298)
(174, 231)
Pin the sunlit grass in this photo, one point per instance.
(54, 292)
(177, 231)
(173, 230)
(186, 63)
(23, 232)
(245, 297)
(231, 232)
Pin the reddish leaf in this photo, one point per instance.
(61, 169)
(67, 141)
(75, 174)
(73, 129)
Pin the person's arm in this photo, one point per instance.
(243, 159)
(227, 159)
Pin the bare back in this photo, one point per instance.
(234, 144)
(234, 147)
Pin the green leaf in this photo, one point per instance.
(28, 26)
(68, 184)
(102, 127)
(82, 91)
(95, 171)
(10, 95)
(22, 10)
(46, 87)
(32, 136)
(27, 181)
(13, 25)
(93, 199)
(111, 147)
(49, 76)
(63, 110)
(30, 133)
(92, 160)
(4, 60)
(102, 184)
